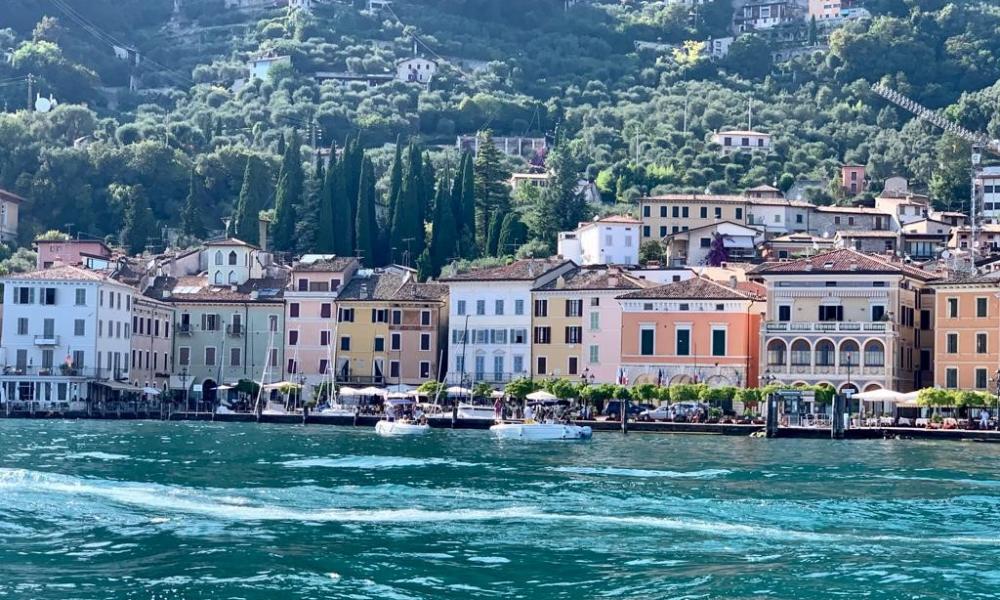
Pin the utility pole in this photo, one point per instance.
(31, 90)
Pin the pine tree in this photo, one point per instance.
(512, 235)
(325, 242)
(493, 237)
(253, 199)
(444, 234)
(193, 223)
(366, 233)
(343, 222)
(560, 206)
(139, 226)
(288, 196)
(491, 191)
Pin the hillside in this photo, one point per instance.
(604, 80)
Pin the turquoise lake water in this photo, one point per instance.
(168, 511)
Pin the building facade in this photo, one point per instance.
(733, 140)
(967, 335)
(10, 205)
(490, 320)
(66, 330)
(152, 343)
(612, 240)
(693, 331)
(577, 322)
(843, 318)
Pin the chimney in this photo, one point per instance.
(262, 229)
(560, 282)
(732, 281)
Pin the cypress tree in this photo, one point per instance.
(395, 182)
(366, 232)
(253, 199)
(470, 238)
(456, 194)
(493, 239)
(491, 191)
(325, 242)
(428, 177)
(512, 235)
(343, 223)
(407, 226)
(444, 234)
(307, 225)
(192, 222)
(353, 158)
(288, 195)
(139, 225)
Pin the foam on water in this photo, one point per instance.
(371, 462)
(648, 473)
(98, 455)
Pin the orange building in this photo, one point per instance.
(967, 336)
(691, 331)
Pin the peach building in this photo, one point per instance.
(691, 331)
(576, 335)
(69, 252)
(310, 305)
(967, 336)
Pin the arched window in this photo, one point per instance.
(849, 354)
(232, 277)
(800, 353)
(874, 354)
(218, 257)
(218, 278)
(825, 353)
(232, 257)
(776, 353)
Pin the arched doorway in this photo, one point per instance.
(208, 393)
(679, 379)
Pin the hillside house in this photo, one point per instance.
(524, 147)
(260, 67)
(732, 140)
(763, 15)
(10, 205)
(416, 70)
(852, 179)
(612, 240)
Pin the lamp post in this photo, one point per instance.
(998, 399)
(184, 380)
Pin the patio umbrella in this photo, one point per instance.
(456, 390)
(372, 391)
(348, 391)
(882, 395)
(153, 391)
(400, 388)
(541, 395)
(497, 394)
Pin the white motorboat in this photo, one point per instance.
(476, 411)
(337, 410)
(531, 430)
(400, 427)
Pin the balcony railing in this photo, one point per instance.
(61, 371)
(235, 330)
(47, 340)
(184, 329)
(827, 326)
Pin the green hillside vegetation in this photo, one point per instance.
(108, 161)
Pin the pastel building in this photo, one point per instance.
(693, 331)
(967, 333)
(70, 252)
(67, 335)
(490, 320)
(151, 344)
(310, 316)
(851, 320)
(10, 205)
(577, 323)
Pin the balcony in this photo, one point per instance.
(235, 330)
(827, 326)
(184, 329)
(47, 340)
(29, 371)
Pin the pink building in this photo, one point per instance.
(852, 179)
(70, 252)
(310, 310)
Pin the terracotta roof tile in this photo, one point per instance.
(380, 285)
(324, 265)
(229, 242)
(196, 288)
(594, 278)
(521, 270)
(421, 292)
(60, 273)
(696, 288)
(842, 261)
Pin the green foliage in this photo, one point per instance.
(482, 390)
(366, 232)
(192, 220)
(513, 234)
(444, 243)
(139, 228)
(562, 388)
(520, 388)
(687, 392)
(288, 196)
(651, 251)
(254, 197)
(716, 395)
(491, 192)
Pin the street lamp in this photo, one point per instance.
(184, 379)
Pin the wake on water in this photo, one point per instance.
(226, 505)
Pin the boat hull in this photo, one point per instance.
(540, 431)
(395, 428)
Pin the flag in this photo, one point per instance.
(659, 377)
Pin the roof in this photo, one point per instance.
(960, 278)
(763, 188)
(378, 285)
(521, 270)
(867, 234)
(749, 229)
(422, 292)
(743, 131)
(842, 261)
(593, 278)
(615, 219)
(329, 264)
(858, 210)
(695, 288)
(951, 213)
(800, 238)
(60, 273)
(196, 288)
(229, 242)
(695, 198)
(10, 196)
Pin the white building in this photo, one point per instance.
(612, 240)
(490, 312)
(10, 204)
(66, 332)
(416, 70)
(988, 185)
(719, 47)
(733, 140)
(261, 66)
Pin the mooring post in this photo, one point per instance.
(624, 404)
(771, 427)
(837, 423)
(305, 414)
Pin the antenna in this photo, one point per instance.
(750, 114)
